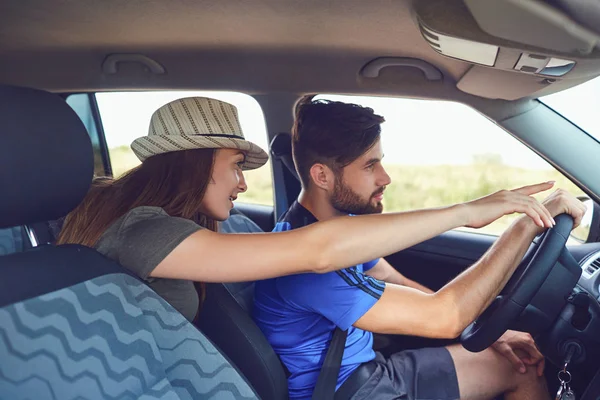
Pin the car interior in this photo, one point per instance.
(74, 324)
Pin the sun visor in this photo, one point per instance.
(536, 23)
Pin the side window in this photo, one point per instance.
(126, 116)
(441, 153)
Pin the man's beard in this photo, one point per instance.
(346, 201)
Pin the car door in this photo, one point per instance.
(436, 261)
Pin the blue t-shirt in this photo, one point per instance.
(298, 314)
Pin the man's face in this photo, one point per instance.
(359, 187)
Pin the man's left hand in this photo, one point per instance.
(520, 349)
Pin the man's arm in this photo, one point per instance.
(446, 313)
(385, 272)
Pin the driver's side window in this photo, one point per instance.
(440, 153)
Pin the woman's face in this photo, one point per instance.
(226, 183)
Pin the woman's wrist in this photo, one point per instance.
(527, 226)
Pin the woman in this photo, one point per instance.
(160, 219)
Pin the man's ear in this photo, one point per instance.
(322, 176)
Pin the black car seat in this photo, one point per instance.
(226, 320)
(226, 316)
(73, 323)
(284, 171)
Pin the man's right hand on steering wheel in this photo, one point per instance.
(530, 278)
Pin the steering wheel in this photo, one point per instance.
(535, 294)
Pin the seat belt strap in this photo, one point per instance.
(327, 380)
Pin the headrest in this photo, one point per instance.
(281, 149)
(281, 144)
(46, 157)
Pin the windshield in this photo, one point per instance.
(579, 105)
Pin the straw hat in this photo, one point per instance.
(197, 123)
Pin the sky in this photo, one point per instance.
(416, 132)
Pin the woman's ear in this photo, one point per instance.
(322, 176)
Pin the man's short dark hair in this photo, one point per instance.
(331, 133)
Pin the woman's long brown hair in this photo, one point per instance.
(174, 181)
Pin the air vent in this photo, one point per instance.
(594, 266)
(591, 265)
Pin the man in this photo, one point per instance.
(337, 152)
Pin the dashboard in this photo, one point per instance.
(588, 257)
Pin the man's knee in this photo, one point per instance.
(488, 373)
(530, 377)
(514, 381)
(531, 373)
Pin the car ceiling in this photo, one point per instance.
(258, 46)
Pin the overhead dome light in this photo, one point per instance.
(466, 50)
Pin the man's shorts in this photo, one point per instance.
(423, 374)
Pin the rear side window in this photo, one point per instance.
(84, 107)
(126, 116)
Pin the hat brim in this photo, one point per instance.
(146, 147)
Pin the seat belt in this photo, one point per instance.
(327, 380)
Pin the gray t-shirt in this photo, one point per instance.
(140, 240)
